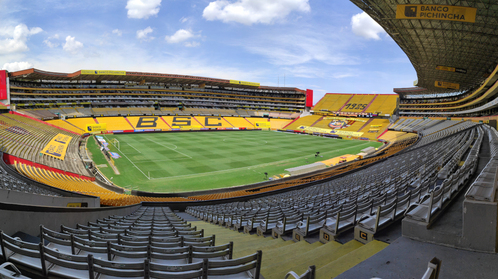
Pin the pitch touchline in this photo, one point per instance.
(255, 166)
(130, 161)
(169, 147)
(134, 148)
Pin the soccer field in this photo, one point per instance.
(189, 161)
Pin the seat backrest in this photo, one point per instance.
(122, 270)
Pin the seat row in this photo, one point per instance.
(339, 204)
(107, 248)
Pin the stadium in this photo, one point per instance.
(135, 174)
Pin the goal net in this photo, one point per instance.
(115, 142)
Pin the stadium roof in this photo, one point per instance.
(35, 74)
(438, 38)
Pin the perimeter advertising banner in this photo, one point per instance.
(3, 85)
(104, 72)
(57, 146)
(329, 131)
(436, 12)
(245, 83)
(447, 85)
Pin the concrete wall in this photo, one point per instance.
(480, 226)
(27, 218)
(10, 196)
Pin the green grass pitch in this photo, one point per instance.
(190, 161)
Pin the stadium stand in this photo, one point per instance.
(151, 240)
(419, 172)
(349, 197)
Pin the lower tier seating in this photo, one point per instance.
(153, 242)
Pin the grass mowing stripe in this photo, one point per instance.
(148, 177)
(134, 148)
(169, 148)
(255, 166)
(219, 159)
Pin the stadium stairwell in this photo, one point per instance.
(252, 124)
(317, 121)
(371, 102)
(74, 125)
(366, 124)
(346, 102)
(165, 122)
(291, 122)
(198, 122)
(280, 257)
(227, 121)
(127, 120)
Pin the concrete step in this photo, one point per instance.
(350, 259)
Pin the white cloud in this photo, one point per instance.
(72, 45)
(17, 66)
(143, 34)
(51, 44)
(295, 49)
(180, 36)
(364, 26)
(192, 44)
(183, 19)
(249, 12)
(16, 38)
(142, 8)
(117, 32)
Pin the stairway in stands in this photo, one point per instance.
(279, 256)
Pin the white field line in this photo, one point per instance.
(148, 177)
(134, 148)
(257, 166)
(169, 147)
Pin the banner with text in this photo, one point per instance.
(96, 128)
(330, 131)
(104, 72)
(436, 12)
(57, 146)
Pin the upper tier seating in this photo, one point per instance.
(357, 103)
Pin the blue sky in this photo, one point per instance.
(328, 46)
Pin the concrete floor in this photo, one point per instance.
(406, 258)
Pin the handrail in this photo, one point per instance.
(433, 268)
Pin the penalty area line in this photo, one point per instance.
(169, 147)
(148, 177)
(134, 148)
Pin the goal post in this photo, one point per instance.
(115, 142)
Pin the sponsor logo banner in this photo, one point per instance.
(245, 83)
(447, 85)
(262, 125)
(345, 119)
(96, 128)
(57, 146)
(451, 69)
(328, 131)
(105, 72)
(436, 12)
